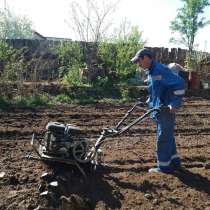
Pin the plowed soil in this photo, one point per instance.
(123, 182)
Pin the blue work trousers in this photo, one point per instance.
(167, 157)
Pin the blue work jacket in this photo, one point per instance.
(165, 86)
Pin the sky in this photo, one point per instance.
(152, 16)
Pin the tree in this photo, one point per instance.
(188, 22)
(90, 21)
(117, 52)
(13, 26)
(128, 40)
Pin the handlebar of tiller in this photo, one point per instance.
(138, 104)
(107, 132)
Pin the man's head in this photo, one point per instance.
(143, 57)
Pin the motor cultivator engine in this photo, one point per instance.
(64, 141)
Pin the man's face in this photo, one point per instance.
(144, 62)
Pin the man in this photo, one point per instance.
(166, 88)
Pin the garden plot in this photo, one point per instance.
(123, 182)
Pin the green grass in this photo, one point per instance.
(31, 101)
(4, 103)
(74, 99)
(76, 95)
(20, 101)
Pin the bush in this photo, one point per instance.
(116, 53)
(70, 55)
(14, 65)
(104, 83)
(5, 51)
(4, 103)
(73, 76)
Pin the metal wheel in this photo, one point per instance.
(82, 151)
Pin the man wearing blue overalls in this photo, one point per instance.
(166, 88)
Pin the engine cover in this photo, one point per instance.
(56, 127)
(60, 129)
(60, 138)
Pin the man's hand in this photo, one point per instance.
(172, 109)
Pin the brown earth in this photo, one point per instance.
(123, 182)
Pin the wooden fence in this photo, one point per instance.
(44, 48)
